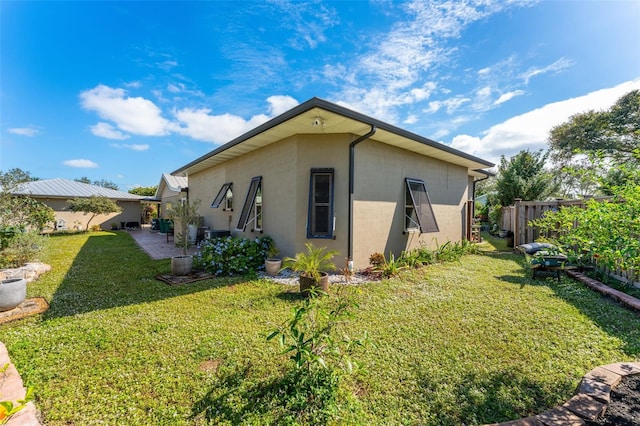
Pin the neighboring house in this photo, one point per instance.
(56, 192)
(325, 174)
(171, 189)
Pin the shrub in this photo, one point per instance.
(232, 256)
(21, 248)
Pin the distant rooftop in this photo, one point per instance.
(65, 188)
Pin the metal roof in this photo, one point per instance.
(174, 183)
(334, 119)
(65, 188)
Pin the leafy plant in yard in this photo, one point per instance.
(318, 355)
(185, 213)
(312, 262)
(232, 256)
(606, 230)
(23, 247)
(391, 267)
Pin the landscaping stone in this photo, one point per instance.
(624, 368)
(560, 416)
(595, 389)
(585, 406)
(603, 375)
(12, 389)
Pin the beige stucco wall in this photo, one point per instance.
(379, 200)
(168, 197)
(379, 194)
(130, 213)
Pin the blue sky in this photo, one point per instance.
(125, 91)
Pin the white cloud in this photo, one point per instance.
(508, 96)
(531, 130)
(106, 130)
(80, 164)
(555, 67)
(199, 124)
(133, 147)
(24, 131)
(133, 115)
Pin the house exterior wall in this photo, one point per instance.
(380, 171)
(379, 197)
(167, 198)
(78, 221)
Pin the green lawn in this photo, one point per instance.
(471, 342)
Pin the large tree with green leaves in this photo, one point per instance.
(588, 147)
(523, 176)
(93, 205)
(144, 191)
(615, 132)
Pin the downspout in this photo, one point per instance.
(352, 155)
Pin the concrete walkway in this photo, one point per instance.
(156, 246)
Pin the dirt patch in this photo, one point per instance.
(210, 365)
(624, 408)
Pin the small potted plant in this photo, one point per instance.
(312, 267)
(272, 263)
(183, 214)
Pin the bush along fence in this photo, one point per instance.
(604, 233)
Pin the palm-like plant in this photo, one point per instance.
(312, 263)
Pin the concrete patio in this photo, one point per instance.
(155, 244)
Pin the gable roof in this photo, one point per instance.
(65, 188)
(174, 183)
(333, 119)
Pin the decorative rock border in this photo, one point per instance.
(30, 271)
(594, 394)
(12, 389)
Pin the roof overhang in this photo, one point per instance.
(317, 116)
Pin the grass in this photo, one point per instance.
(471, 342)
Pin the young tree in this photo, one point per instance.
(21, 211)
(93, 205)
(523, 176)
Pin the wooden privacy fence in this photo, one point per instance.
(516, 218)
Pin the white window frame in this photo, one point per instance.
(224, 195)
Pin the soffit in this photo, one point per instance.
(333, 123)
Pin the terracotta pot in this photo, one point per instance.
(307, 283)
(272, 266)
(181, 265)
(13, 291)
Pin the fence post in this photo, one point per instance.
(516, 223)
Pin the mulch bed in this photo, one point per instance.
(624, 407)
(27, 308)
(185, 279)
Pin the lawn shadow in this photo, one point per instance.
(487, 398)
(111, 270)
(290, 397)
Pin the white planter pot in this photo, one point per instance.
(272, 266)
(181, 265)
(193, 233)
(13, 291)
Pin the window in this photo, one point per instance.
(224, 195)
(252, 208)
(320, 215)
(418, 211)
